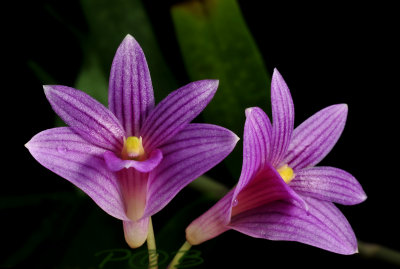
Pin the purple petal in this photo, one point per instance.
(265, 187)
(86, 116)
(315, 137)
(323, 226)
(65, 153)
(329, 184)
(256, 145)
(115, 163)
(136, 232)
(130, 95)
(191, 153)
(212, 223)
(175, 111)
(134, 191)
(282, 117)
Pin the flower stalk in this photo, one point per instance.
(151, 246)
(179, 255)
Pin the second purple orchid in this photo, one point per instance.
(134, 157)
(281, 194)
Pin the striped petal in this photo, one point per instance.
(174, 112)
(136, 232)
(191, 153)
(282, 117)
(323, 226)
(115, 163)
(65, 153)
(130, 95)
(89, 118)
(314, 138)
(134, 191)
(212, 223)
(256, 145)
(265, 187)
(329, 184)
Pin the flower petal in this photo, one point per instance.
(212, 223)
(130, 95)
(329, 184)
(323, 226)
(134, 191)
(86, 116)
(175, 111)
(65, 153)
(256, 145)
(192, 152)
(265, 187)
(115, 163)
(314, 138)
(136, 232)
(282, 117)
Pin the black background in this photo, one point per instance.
(328, 54)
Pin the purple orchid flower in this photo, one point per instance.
(134, 157)
(281, 195)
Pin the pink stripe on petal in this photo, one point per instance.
(65, 153)
(323, 226)
(314, 138)
(136, 232)
(86, 116)
(130, 94)
(174, 112)
(191, 153)
(329, 184)
(282, 117)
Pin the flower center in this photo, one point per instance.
(133, 149)
(286, 173)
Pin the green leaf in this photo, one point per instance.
(92, 80)
(216, 44)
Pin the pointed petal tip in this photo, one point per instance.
(343, 107)
(276, 74)
(47, 88)
(237, 138)
(362, 197)
(27, 144)
(250, 110)
(213, 83)
(129, 39)
(129, 36)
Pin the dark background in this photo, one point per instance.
(327, 54)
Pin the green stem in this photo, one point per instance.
(181, 252)
(151, 246)
(375, 251)
(210, 187)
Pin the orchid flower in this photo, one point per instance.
(281, 194)
(134, 157)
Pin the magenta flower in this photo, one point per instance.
(134, 157)
(281, 195)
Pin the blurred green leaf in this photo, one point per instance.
(216, 44)
(92, 80)
(109, 22)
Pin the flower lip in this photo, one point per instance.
(115, 163)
